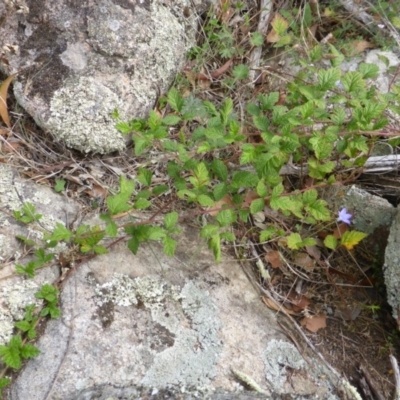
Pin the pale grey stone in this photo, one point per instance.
(78, 61)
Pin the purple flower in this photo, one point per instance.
(344, 216)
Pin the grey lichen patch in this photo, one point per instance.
(81, 116)
(6, 326)
(278, 356)
(18, 296)
(75, 57)
(196, 349)
(378, 212)
(14, 300)
(186, 322)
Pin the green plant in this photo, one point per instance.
(17, 350)
(328, 123)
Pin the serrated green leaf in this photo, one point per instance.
(241, 71)
(309, 242)
(171, 219)
(141, 144)
(186, 193)
(219, 169)
(215, 245)
(318, 209)
(338, 116)
(60, 185)
(144, 177)
(352, 238)
(309, 196)
(244, 179)
(29, 351)
(24, 326)
(219, 191)
(11, 357)
(201, 175)
(124, 127)
(353, 82)
(169, 246)
(268, 101)
(337, 58)
(327, 78)
(126, 187)
(261, 189)
(24, 239)
(257, 205)
(268, 233)
(54, 312)
(330, 242)
(133, 245)
(59, 233)
(307, 109)
(253, 109)
(261, 122)
(205, 201)
(294, 241)
(282, 203)
(322, 147)
(226, 217)
(3, 383)
(228, 236)
(209, 230)
(256, 39)
(244, 215)
(277, 190)
(142, 204)
(175, 100)
(368, 71)
(171, 120)
(159, 189)
(98, 249)
(111, 229)
(156, 233)
(226, 110)
(307, 16)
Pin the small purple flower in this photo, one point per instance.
(344, 216)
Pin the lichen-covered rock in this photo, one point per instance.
(15, 291)
(134, 326)
(80, 60)
(391, 268)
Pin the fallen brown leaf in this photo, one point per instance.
(276, 306)
(249, 197)
(219, 205)
(338, 232)
(299, 301)
(274, 258)
(313, 324)
(358, 46)
(4, 132)
(3, 100)
(272, 37)
(217, 73)
(314, 252)
(305, 261)
(10, 147)
(348, 314)
(97, 191)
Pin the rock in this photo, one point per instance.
(157, 322)
(372, 215)
(147, 325)
(370, 212)
(78, 61)
(391, 269)
(17, 292)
